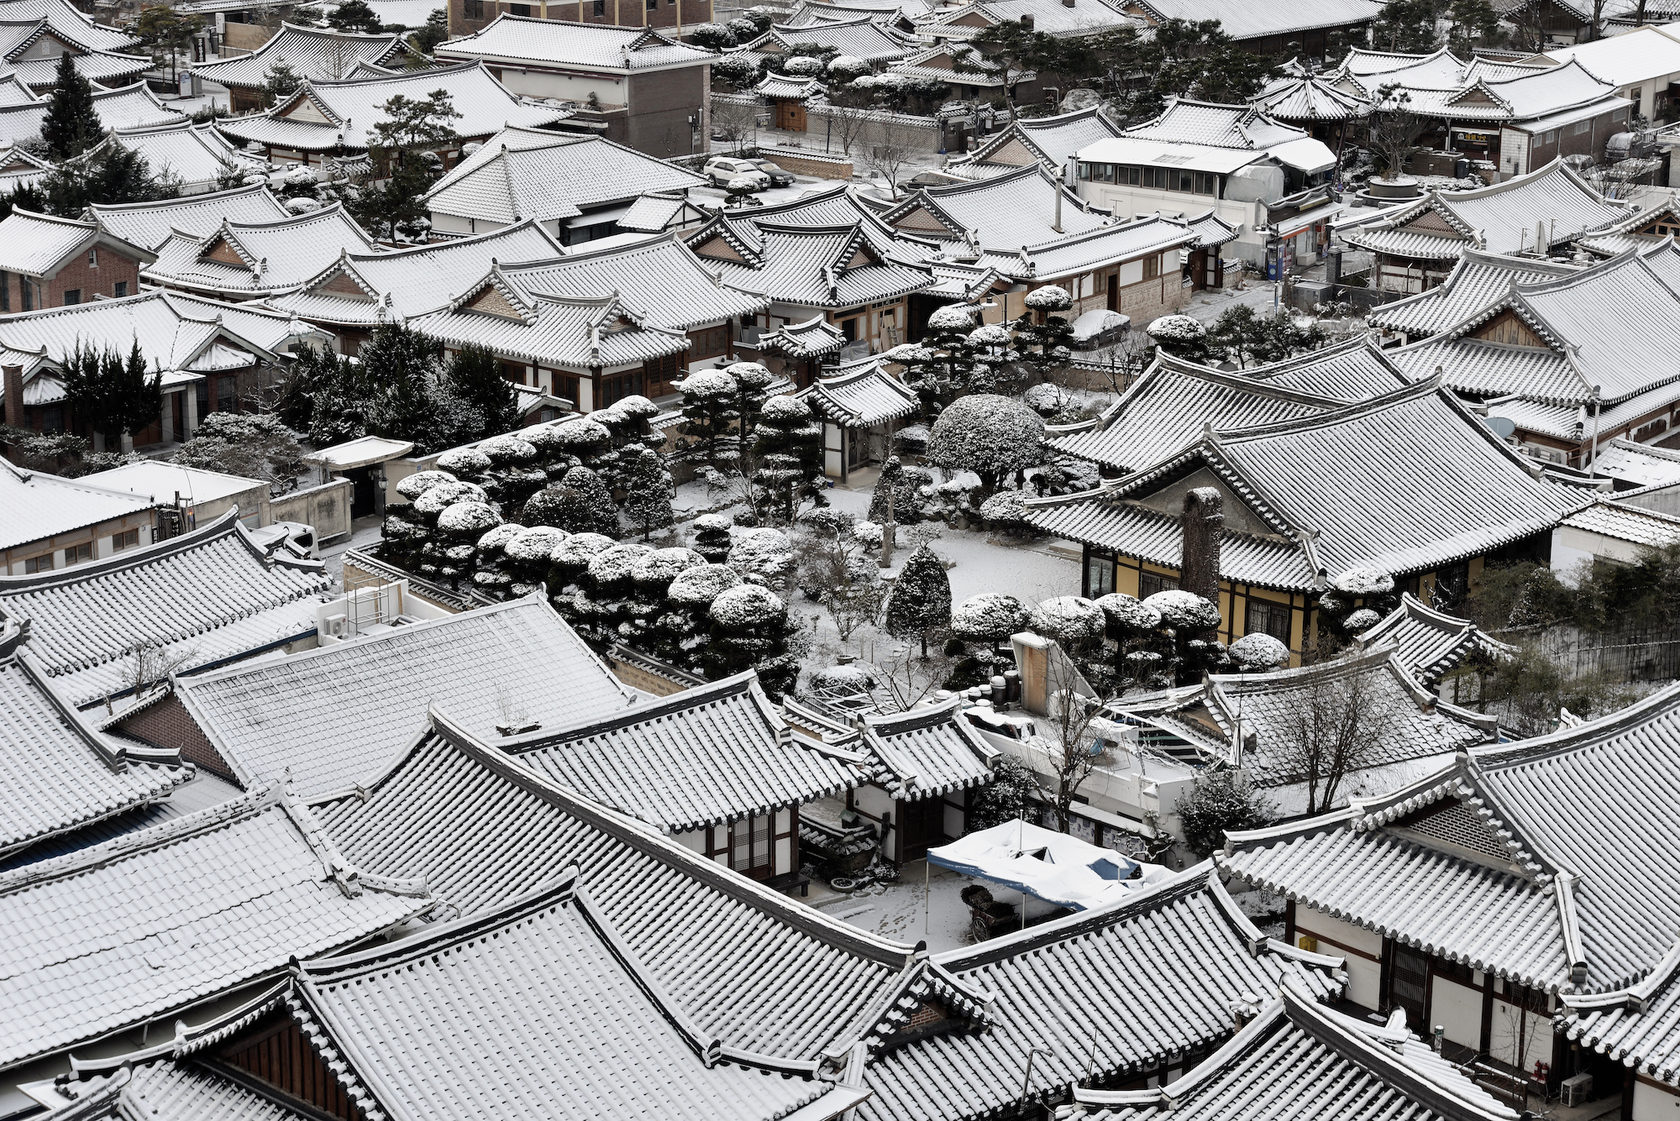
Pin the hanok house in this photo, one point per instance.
(1644, 64)
(253, 260)
(132, 106)
(324, 120)
(315, 53)
(1633, 1027)
(596, 325)
(922, 766)
(1476, 898)
(1050, 142)
(197, 156)
(1441, 651)
(959, 23)
(1475, 280)
(797, 351)
(1250, 722)
(211, 357)
(1269, 180)
(53, 522)
(1537, 354)
(1276, 509)
(826, 257)
(645, 90)
(781, 978)
(468, 16)
(50, 262)
(150, 224)
(33, 46)
(1415, 245)
(938, 63)
(1034, 231)
(482, 1005)
(115, 626)
(134, 942)
(858, 403)
(575, 187)
(355, 294)
(512, 667)
(94, 779)
(1293, 1052)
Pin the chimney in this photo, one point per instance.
(14, 395)
(1057, 224)
(1203, 524)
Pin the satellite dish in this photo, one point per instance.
(1503, 426)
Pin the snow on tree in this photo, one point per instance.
(988, 434)
(617, 610)
(1183, 611)
(1006, 512)
(435, 498)
(464, 462)
(583, 437)
(1009, 795)
(847, 68)
(764, 556)
(660, 567)
(951, 317)
(1182, 335)
(920, 601)
(751, 380)
(575, 552)
(700, 585)
(713, 537)
(990, 335)
(494, 575)
(750, 630)
(1046, 398)
(580, 503)
(648, 491)
(790, 456)
(1128, 615)
(468, 518)
(1360, 582)
(902, 483)
(1073, 621)
(991, 617)
(1219, 802)
(711, 406)
(507, 450)
(803, 66)
(1048, 298)
(1258, 652)
(418, 483)
(1362, 620)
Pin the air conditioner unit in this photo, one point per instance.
(336, 626)
(1308, 943)
(1577, 1088)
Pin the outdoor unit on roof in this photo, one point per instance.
(336, 626)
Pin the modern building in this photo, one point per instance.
(53, 522)
(468, 16)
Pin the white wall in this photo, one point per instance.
(1652, 1103)
(1336, 937)
(567, 87)
(1520, 1038)
(1457, 1009)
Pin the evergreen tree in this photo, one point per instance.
(112, 395)
(579, 504)
(920, 601)
(751, 379)
(790, 456)
(434, 32)
(355, 15)
(72, 124)
(648, 491)
(474, 374)
(111, 173)
(24, 196)
(712, 537)
(711, 406)
(279, 83)
(404, 162)
(901, 483)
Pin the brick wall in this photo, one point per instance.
(91, 281)
(168, 724)
(665, 15)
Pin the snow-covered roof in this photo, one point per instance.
(584, 46)
(789, 87)
(41, 506)
(350, 708)
(1429, 643)
(203, 598)
(1638, 465)
(704, 756)
(1445, 489)
(1174, 400)
(160, 480)
(597, 331)
(61, 774)
(39, 244)
(861, 395)
(133, 106)
(1241, 20)
(1051, 141)
(197, 155)
(1296, 1054)
(1200, 136)
(1623, 521)
(1638, 1026)
(136, 928)
(1506, 218)
(1001, 213)
(1487, 864)
(1476, 280)
(251, 259)
(1638, 230)
(1309, 97)
(1627, 59)
(364, 289)
(857, 37)
(165, 1090)
(150, 224)
(1052, 17)
(926, 752)
(1072, 255)
(811, 339)
(527, 173)
(363, 451)
(324, 115)
(27, 47)
(311, 52)
(69, 22)
(791, 256)
(659, 211)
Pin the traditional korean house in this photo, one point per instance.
(355, 294)
(1639, 230)
(210, 356)
(858, 402)
(253, 260)
(78, 777)
(33, 45)
(1476, 898)
(1415, 245)
(1252, 722)
(1475, 280)
(939, 63)
(799, 350)
(859, 36)
(959, 23)
(104, 629)
(55, 262)
(315, 53)
(332, 119)
(196, 156)
(1049, 142)
(1445, 494)
(150, 224)
(53, 522)
(133, 941)
(131, 106)
(1294, 1057)
(575, 187)
(1312, 30)
(1310, 100)
(511, 667)
(1633, 1029)
(1441, 651)
(1537, 354)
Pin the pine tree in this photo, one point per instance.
(474, 374)
(648, 491)
(920, 601)
(72, 124)
(790, 457)
(112, 395)
(711, 406)
(712, 537)
(279, 83)
(398, 377)
(581, 504)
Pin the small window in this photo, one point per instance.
(93, 258)
(472, 9)
(27, 291)
(121, 288)
(519, 9)
(1151, 582)
(5, 291)
(1266, 617)
(42, 563)
(652, 5)
(127, 539)
(1151, 267)
(1099, 573)
(72, 296)
(600, 9)
(79, 554)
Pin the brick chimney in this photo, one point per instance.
(14, 394)
(1203, 524)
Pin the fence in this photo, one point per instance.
(326, 507)
(1649, 653)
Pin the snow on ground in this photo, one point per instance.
(923, 904)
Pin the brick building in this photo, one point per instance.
(468, 16)
(50, 262)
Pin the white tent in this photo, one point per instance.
(1044, 864)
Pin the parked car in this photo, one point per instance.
(779, 177)
(722, 170)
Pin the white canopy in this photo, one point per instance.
(1042, 863)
